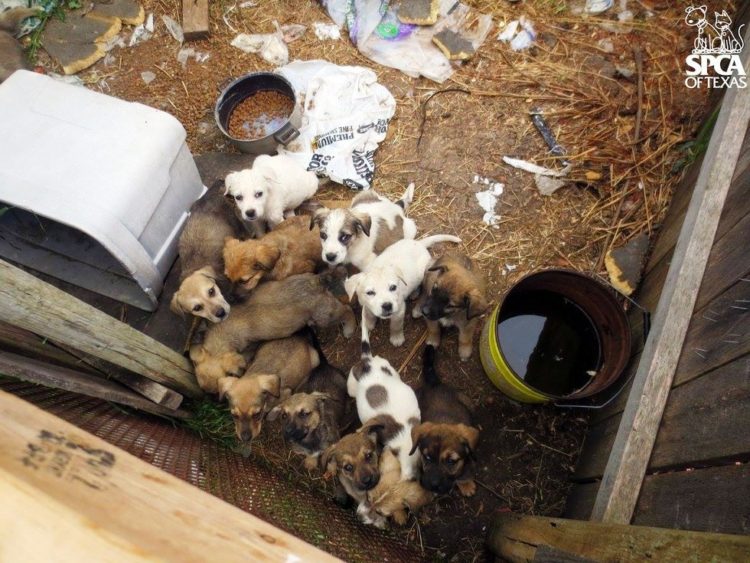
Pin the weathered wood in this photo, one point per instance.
(26, 343)
(57, 377)
(34, 305)
(518, 538)
(195, 19)
(70, 496)
(628, 460)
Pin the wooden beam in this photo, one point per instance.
(195, 19)
(57, 377)
(70, 496)
(30, 303)
(628, 460)
(519, 538)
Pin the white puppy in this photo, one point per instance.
(370, 225)
(378, 390)
(392, 277)
(273, 186)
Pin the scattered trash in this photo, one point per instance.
(624, 72)
(74, 80)
(625, 264)
(116, 41)
(109, 59)
(507, 269)
(142, 32)
(549, 137)
(270, 46)
(547, 185)
(419, 12)
(598, 6)
(520, 34)
(292, 32)
(174, 28)
(344, 115)
(535, 168)
(488, 199)
(148, 76)
(326, 30)
(249, 4)
(453, 46)
(606, 45)
(184, 54)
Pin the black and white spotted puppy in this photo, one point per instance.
(378, 390)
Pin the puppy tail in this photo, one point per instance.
(10, 20)
(434, 239)
(366, 348)
(429, 373)
(407, 198)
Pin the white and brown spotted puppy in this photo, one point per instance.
(370, 225)
(273, 310)
(454, 293)
(278, 369)
(378, 390)
(203, 288)
(446, 437)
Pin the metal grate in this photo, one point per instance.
(250, 486)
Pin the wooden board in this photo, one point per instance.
(34, 305)
(628, 460)
(70, 496)
(518, 538)
(195, 18)
(57, 377)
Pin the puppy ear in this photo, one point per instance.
(321, 398)
(176, 306)
(439, 269)
(469, 438)
(328, 462)
(208, 272)
(268, 255)
(476, 304)
(383, 427)
(274, 413)
(270, 384)
(225, 384)
(418, 433)
(363, 223)
(227, 180)
(351, 283)
(319, 217)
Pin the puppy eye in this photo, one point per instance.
(244, 280)
(392, 287)
(348, 468)
(368, 456)
(450, 461)
(344, 238)
(323, 236)
(283, 416)
(198, 308)
(238, 198)
(258, 194)
(370, 292)
(427, 457)
(211, 292)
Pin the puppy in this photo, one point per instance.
(354, 460)
(313, 418)
(291, 248)
(395, 274)
(278, 368)
(392, 497)
(275, 185)
(454, 293)
(273, 310)
(203, 289)
(378, 390)
(370, 225)
(12, 57)
(446, 437)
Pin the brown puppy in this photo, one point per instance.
(12, 57)
(211, 220)
(445, 438)
(274, 310)
(278, 368)
(454, 293)
(313, 418)
(291, 248)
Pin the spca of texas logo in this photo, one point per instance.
(715, 60)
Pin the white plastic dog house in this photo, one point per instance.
(94, 190)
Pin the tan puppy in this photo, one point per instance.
(211, 220)
(278, 368)
(454, 293)
(274, 310)
(12, 57)
(291, 248)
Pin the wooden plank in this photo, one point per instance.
(195, 19)
(57, 377)
(628, 460)
(34, 305)
(518, 538)
(70, 496)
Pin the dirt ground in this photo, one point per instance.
(621, 186)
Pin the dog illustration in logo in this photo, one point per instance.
(709, 38)
(729, 42)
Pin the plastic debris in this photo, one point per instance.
(598, 6)
(487, 201)
(325, 31)
(148, 77)
(184, 54)
(520, 33)
(71, 79)
(535, 168)
(549, 137)
(142, 32)
(270, 46)
(547, 185)
(249, 4)
(606, 45)
(292, 32)
(174, 28)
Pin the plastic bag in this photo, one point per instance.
(344, 117)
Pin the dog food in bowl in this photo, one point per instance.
(259, 115)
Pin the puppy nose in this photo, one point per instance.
(220, 313)
(388, 307)
(245, 435)
(250, 213)
(330, 256)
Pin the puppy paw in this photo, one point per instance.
(433, 340)
(347, 330)
(400, 517)
(464, 352)
(416, 312)
(311, 462)
(467, 488)
(397, 339)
